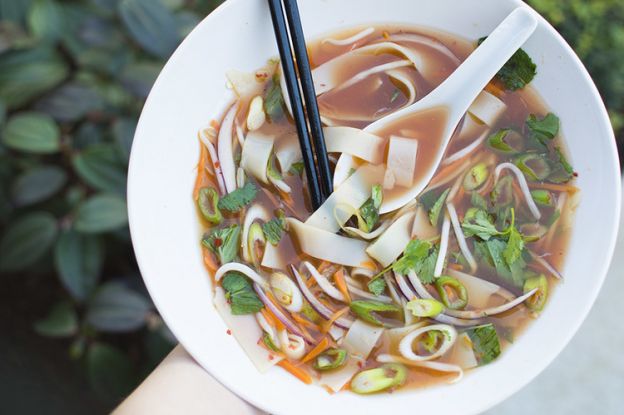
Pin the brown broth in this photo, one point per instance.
(380, 95)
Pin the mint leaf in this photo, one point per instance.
(485, 343)
(369, 212)
(239, 198)
(377, 286)
(273, 100)
(436, 209)
(223, 243)
(518, 72)
(273, 229)
(240, 294)
(545, 129)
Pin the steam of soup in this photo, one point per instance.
(346, 297)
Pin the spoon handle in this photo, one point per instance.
(460, 89)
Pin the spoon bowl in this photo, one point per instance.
(455, 95)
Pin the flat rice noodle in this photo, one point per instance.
(325, 75)
(359, 77)
(256, 154)
(422, 228)
(287, 151)
(336, 333)
(462, 353)
(479, 290)
(328, 246)
(353, 192)
(387, 248)
(245, 84)
(427, 41)
(402, 160)
(225, 149)
(247, 332)
(351, 39)
(471, 128)
(487, 108)
(359, 342)
(273, 258)
(356, 142)
(394, 336)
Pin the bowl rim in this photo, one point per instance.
(572, 329)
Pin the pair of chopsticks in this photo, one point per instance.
(313, 151)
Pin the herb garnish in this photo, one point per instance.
(240, 294)
(239, 198)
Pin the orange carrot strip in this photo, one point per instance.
(268, 316)
(555, 187)
(203, 157)
(495, 88)
(296, 371)
(369, 265)
(327, 325)
(447, 170)
(209, 261)
(453, 265)
(323, 266)
(303, 321)
(341, 284)
(317, 350)
(278, 324)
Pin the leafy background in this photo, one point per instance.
(78, 328)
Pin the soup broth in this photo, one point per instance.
(350, 299)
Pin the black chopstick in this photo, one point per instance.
(317, 194)
(309, 94)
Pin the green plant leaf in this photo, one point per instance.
(151, 25)
(123, 133)
(110, 372)
(46, 20)
(32, 132)
(3, 113)
(100, 166)
(78, 260)
(116, 308)
(14, 10)
(26, 241)
(101, 213)
(37, 185)
(70, 102)
(27, 74)
(62, 321)
(139, 77)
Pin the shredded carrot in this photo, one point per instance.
(327, 325)
(317, 350)
(460, 193)
(215, 124)
(555, 187)
(310, 282)
(495, 88)
(268, 316)
(458, 267)
(209, 261)
(296, 371)
(278, 324)
(341, 284)
(328, 389)
(305, 332)
(369, 265)
(303, 321)
(517, 190)
(202, 179)
(446, 171)
(324, 265)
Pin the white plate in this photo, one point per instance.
(166, 234)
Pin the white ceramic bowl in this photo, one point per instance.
(165, 231)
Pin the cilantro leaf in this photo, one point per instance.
(562, 171)
(479, 223)
(240, 294)
(429, 198)
(491, 253)
(274, 228)
(239, 198)
(273, 100)
(420, 257)
(515, 245)
(545, 129)
(224, 243)
(485, 343)
(478, 201)
(436, 209)
(369, 212)
(518, 72)
(377, 286)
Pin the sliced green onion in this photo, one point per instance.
(331, 359)
(532, 232)
(268, 342)
(543, 197)
(310, 313)
(388, 376)
(476, 177)
(431, 339)
(272, 171)
(448, 286)
(365, 309)
(423, 307)
(537, 301)
(502, 195)
(208, 201)
(255, 242)
(507, 141)
(534, 166)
